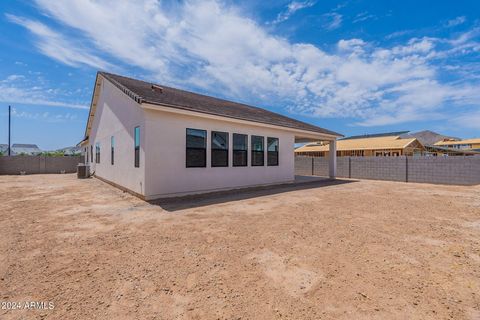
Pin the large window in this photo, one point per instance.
(97, 152)
(240, 149)
(272, 151)
(257, 151)
(112, 147)
(219, 149)
(137, 146)
(91, 153)
(196, 156)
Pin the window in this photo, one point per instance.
(240, 148)
(219, 149)
(91, 153)
(137, 146)
(97, 152)
(112, 143)
(257, 151)
(196, 156)
(272, 151)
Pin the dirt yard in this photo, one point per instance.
(356, 250)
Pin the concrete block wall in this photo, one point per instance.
(343, 167)
(320, 166)
(379, 168)
(441, 170)
(38, 164)
(445, 170)
(304, 166)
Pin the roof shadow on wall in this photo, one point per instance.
(206, 199)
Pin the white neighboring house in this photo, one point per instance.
(25, 149)
(157, 141)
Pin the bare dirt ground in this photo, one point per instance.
(359, 250)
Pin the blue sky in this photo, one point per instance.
(359, 66)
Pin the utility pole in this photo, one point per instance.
(9, 128)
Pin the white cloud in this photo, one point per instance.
(398, 34)
(293, 7)
(14, 77)
(363, 16)
(207, 44)
(455, 22)
(333, 21)
(351, 45)
(58, 47)
(15, 89)
(469, 120)
(44, 116)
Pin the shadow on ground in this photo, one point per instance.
(195, 201)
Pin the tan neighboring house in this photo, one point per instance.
(383, 145)
(156, 141)
(468, 144)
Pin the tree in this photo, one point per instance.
(52, 154)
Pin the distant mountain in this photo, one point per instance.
(428, 137)
(68, 151)
(376, 135)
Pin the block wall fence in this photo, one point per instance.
(38, 164)
(439, 170)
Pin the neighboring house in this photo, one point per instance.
(439, 151)
(4, 149)
(467, 144)
(157, 141)
(375, 145)
(25, 149)
(429, 139)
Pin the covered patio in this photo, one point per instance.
(332, 154)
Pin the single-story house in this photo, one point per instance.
(156, 141)
(375, 145)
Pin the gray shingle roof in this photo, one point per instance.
(142, 91)
(24, 145)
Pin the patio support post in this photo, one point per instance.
(332, 159)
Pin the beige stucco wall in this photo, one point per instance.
(167, 174)
(117, 115)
